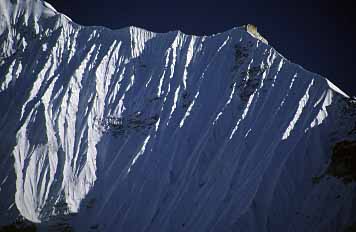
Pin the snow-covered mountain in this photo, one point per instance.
(131, 130)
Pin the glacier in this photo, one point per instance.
(131, 130)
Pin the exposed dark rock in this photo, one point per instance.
(241, 53)
(351, 228)
(121, 125)
(186, 99)
(343, 161)
(155, 99)
(250, 82)
(62, 220)
(20, 224)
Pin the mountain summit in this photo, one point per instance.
(131, 130)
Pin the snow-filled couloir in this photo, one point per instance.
(130, 130)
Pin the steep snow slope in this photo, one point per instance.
(130, 130)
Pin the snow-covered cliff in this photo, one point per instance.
(130, 130)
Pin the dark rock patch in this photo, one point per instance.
(20, 224)
(343, 161)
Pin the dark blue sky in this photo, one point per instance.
(319, 35)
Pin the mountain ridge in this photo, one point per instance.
(143, 131)
(47, 10)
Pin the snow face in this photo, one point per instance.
(301, 104)
(131, 130)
